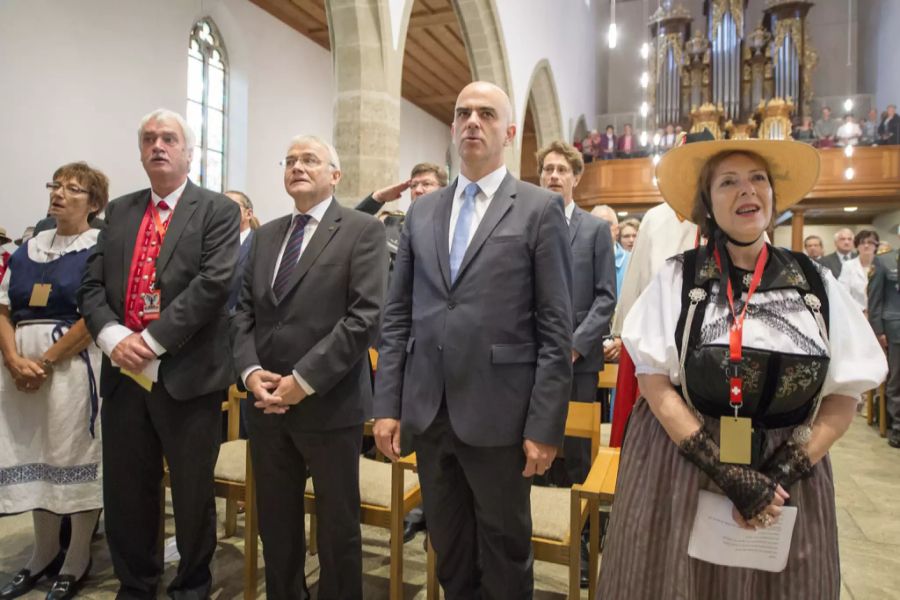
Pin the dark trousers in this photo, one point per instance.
(892, 386)
(576, 462)
(139, 428)
(478, 507)
(281, 456)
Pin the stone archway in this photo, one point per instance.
(581, 130)
(543, 103)
(480, 25)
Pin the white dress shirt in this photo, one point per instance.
(569, 210)
(113, 333)
(488, 187)
(244, 235)
(315, 217)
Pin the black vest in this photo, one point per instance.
(779, 387)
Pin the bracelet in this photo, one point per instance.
(46, 365)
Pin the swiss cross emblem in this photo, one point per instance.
(735, 391)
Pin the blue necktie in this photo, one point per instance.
(290, 256)
(461, 232)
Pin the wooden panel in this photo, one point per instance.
(628, 183)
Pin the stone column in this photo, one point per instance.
(367, 97)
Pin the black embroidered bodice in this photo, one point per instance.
(779, 387)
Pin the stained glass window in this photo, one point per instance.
(207, 104)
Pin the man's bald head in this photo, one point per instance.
(609, 215)
(482, 127)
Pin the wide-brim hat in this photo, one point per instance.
(794, 167)
(4, 238)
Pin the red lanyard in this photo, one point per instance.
(161, 226)
(736, 334)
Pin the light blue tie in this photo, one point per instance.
(461, 233)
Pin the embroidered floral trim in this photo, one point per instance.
(799, 377)
(31, 473)
(751, 372)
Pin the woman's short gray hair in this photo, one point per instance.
(190, 139)
(307, 139)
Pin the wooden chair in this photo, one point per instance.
(881, 417)
(559, 514)
(234, 482)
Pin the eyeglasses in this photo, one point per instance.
(309, 161)
(70, 189)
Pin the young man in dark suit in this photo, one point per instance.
(476, 353)
(308, 312)
(594, 301)
(153, 297)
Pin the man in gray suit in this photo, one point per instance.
(843, 251)
(884, 306)
(594, 289)
(308, 312)
(153, 296)
(476, 354)
(594, 294)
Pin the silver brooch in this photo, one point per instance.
(802, 434)
(812, 301)
(697, 295)
(748, 279)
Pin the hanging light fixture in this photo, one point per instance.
(644, 137)
(645, 108)
(645, 79)
(656, 159)
(645, 50)
(849, 173)
(613, 35)
(848, 150)
(848, 104)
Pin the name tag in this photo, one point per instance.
(735, 435)
(40, 295)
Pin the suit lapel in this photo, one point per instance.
(134, 215)
(181, 216)
(501, 203)
(325, 230)
(267, 254)
(574, 224)
(442, 230)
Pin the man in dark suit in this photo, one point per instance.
(594, 301)
(308, 311)
(593, 285)
(889, 129)
(476, 353)
(843, 251)
(248, 224)
(153, 296)
(884, 309)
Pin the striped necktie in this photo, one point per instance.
(290, 256)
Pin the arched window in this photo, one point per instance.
(207, 104)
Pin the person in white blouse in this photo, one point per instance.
(50, 446)
(858, 271)
(736, 329)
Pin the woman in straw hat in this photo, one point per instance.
(750, 360)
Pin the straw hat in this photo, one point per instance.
(4, 238)
(794, 167)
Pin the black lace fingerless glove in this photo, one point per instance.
(749, 490)
(789, 464)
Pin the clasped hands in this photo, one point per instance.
(538, 456)
(132, 353)
(26, 373)
(274, 393)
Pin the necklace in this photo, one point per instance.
(62, 251)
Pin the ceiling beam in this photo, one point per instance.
(444, 17)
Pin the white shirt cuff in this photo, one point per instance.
(111, 335)
(302, 382)
(154, 345)
(247, 372)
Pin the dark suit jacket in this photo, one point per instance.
(239, 267)
(891, 129)
(369, 205)
(194, 270)
(497, 342)
(834, 263)
(604, 150)
(884, 298)
(593, 287)
(324, 325)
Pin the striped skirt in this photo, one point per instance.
(645, 557)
